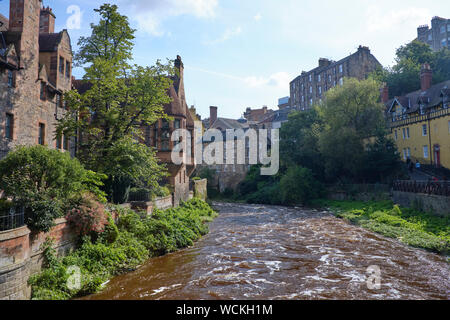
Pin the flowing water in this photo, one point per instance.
(267, 252)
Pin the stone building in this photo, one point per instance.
(420, 121)
(35, 71)
(257, 114)
(284, 103)
(159, 135)
(438, 36)
(310, 87)
(227, 176)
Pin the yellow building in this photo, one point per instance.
(420, 122)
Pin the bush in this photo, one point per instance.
(136, 239)
(299, 186)
(88, 218)
(46, 182)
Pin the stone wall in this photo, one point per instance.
(438, 205)
(21, 256)
(201, 189)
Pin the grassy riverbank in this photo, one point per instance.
(417, 229)
(121, 248)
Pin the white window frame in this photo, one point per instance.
(424, 130)
(426, 152)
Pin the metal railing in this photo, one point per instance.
(438, 188)
(12, 219)
(139, 196)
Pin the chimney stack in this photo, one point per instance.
(426, 77)
(212, 115)
(47, 21)
(385, 93)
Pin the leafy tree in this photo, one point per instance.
(121, 99)
(404, 76)
(46, 182)
(382, 160)
(302, 131)
(299, 186)
(351, 114)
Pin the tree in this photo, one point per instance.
(46, 182)
(302, 131)
(382, 160)
(404, 76)
(299, 186)
(351, 114)
(120, 100)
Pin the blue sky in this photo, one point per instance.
(243, 53)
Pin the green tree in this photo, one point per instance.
(120, 100)
(351, 114)
(404, 76)
(299, 186)
(46, 182)
(302, 131)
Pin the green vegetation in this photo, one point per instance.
(120, 99)
(404, 76)
(412, 227)
(121, 248)
(47, 183)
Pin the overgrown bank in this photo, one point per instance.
(412, 227)
(121, 247)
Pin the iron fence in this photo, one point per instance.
(438, 188)
(12, 219)
(139, 196)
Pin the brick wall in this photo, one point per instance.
(21, 256)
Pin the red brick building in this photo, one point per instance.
(35, 71)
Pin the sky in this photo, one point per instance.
(242, 54)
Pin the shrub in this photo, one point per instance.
(89, 217)
(299, 186)
(45, 182)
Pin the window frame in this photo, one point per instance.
(41, 133)
(9, 126)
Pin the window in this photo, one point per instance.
(58, 142)
(407, 133)
(320, 90)
(177, 124)
(58, 100)
(165, 136)
(404, 154)
(9, 126)
(61, 65)
(396, 135)
(10, 78)
(41, 138)
(310, 89)
(43, 91)
(442, 29)
(67, 69)
(341, 69)
(409, 153)
(425, 152)
(448, 28)
(310, 78)
(311, 102)
(443, 42)
(341, 81)
(303, 98)
(329, 78)
(66, 143)
(404, 133)
(319, 78)
(424, 130)
(430, 37)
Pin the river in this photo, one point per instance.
(269, 252)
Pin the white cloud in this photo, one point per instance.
(257, 17)
(378, 20)
(279, 80)
(151, 14)
(228, 34)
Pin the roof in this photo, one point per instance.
(4, 23)
(429, 98)
(224, 124)
(48, 42)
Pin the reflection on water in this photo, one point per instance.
(266, 252)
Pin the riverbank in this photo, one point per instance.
(122, 247)
(409, 226)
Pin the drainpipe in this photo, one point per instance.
(429, 139)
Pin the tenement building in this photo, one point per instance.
(35, 71)
(438, 36)
(420, 121)
(310, 87)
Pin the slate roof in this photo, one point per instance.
(429, 98)
(48, 42)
